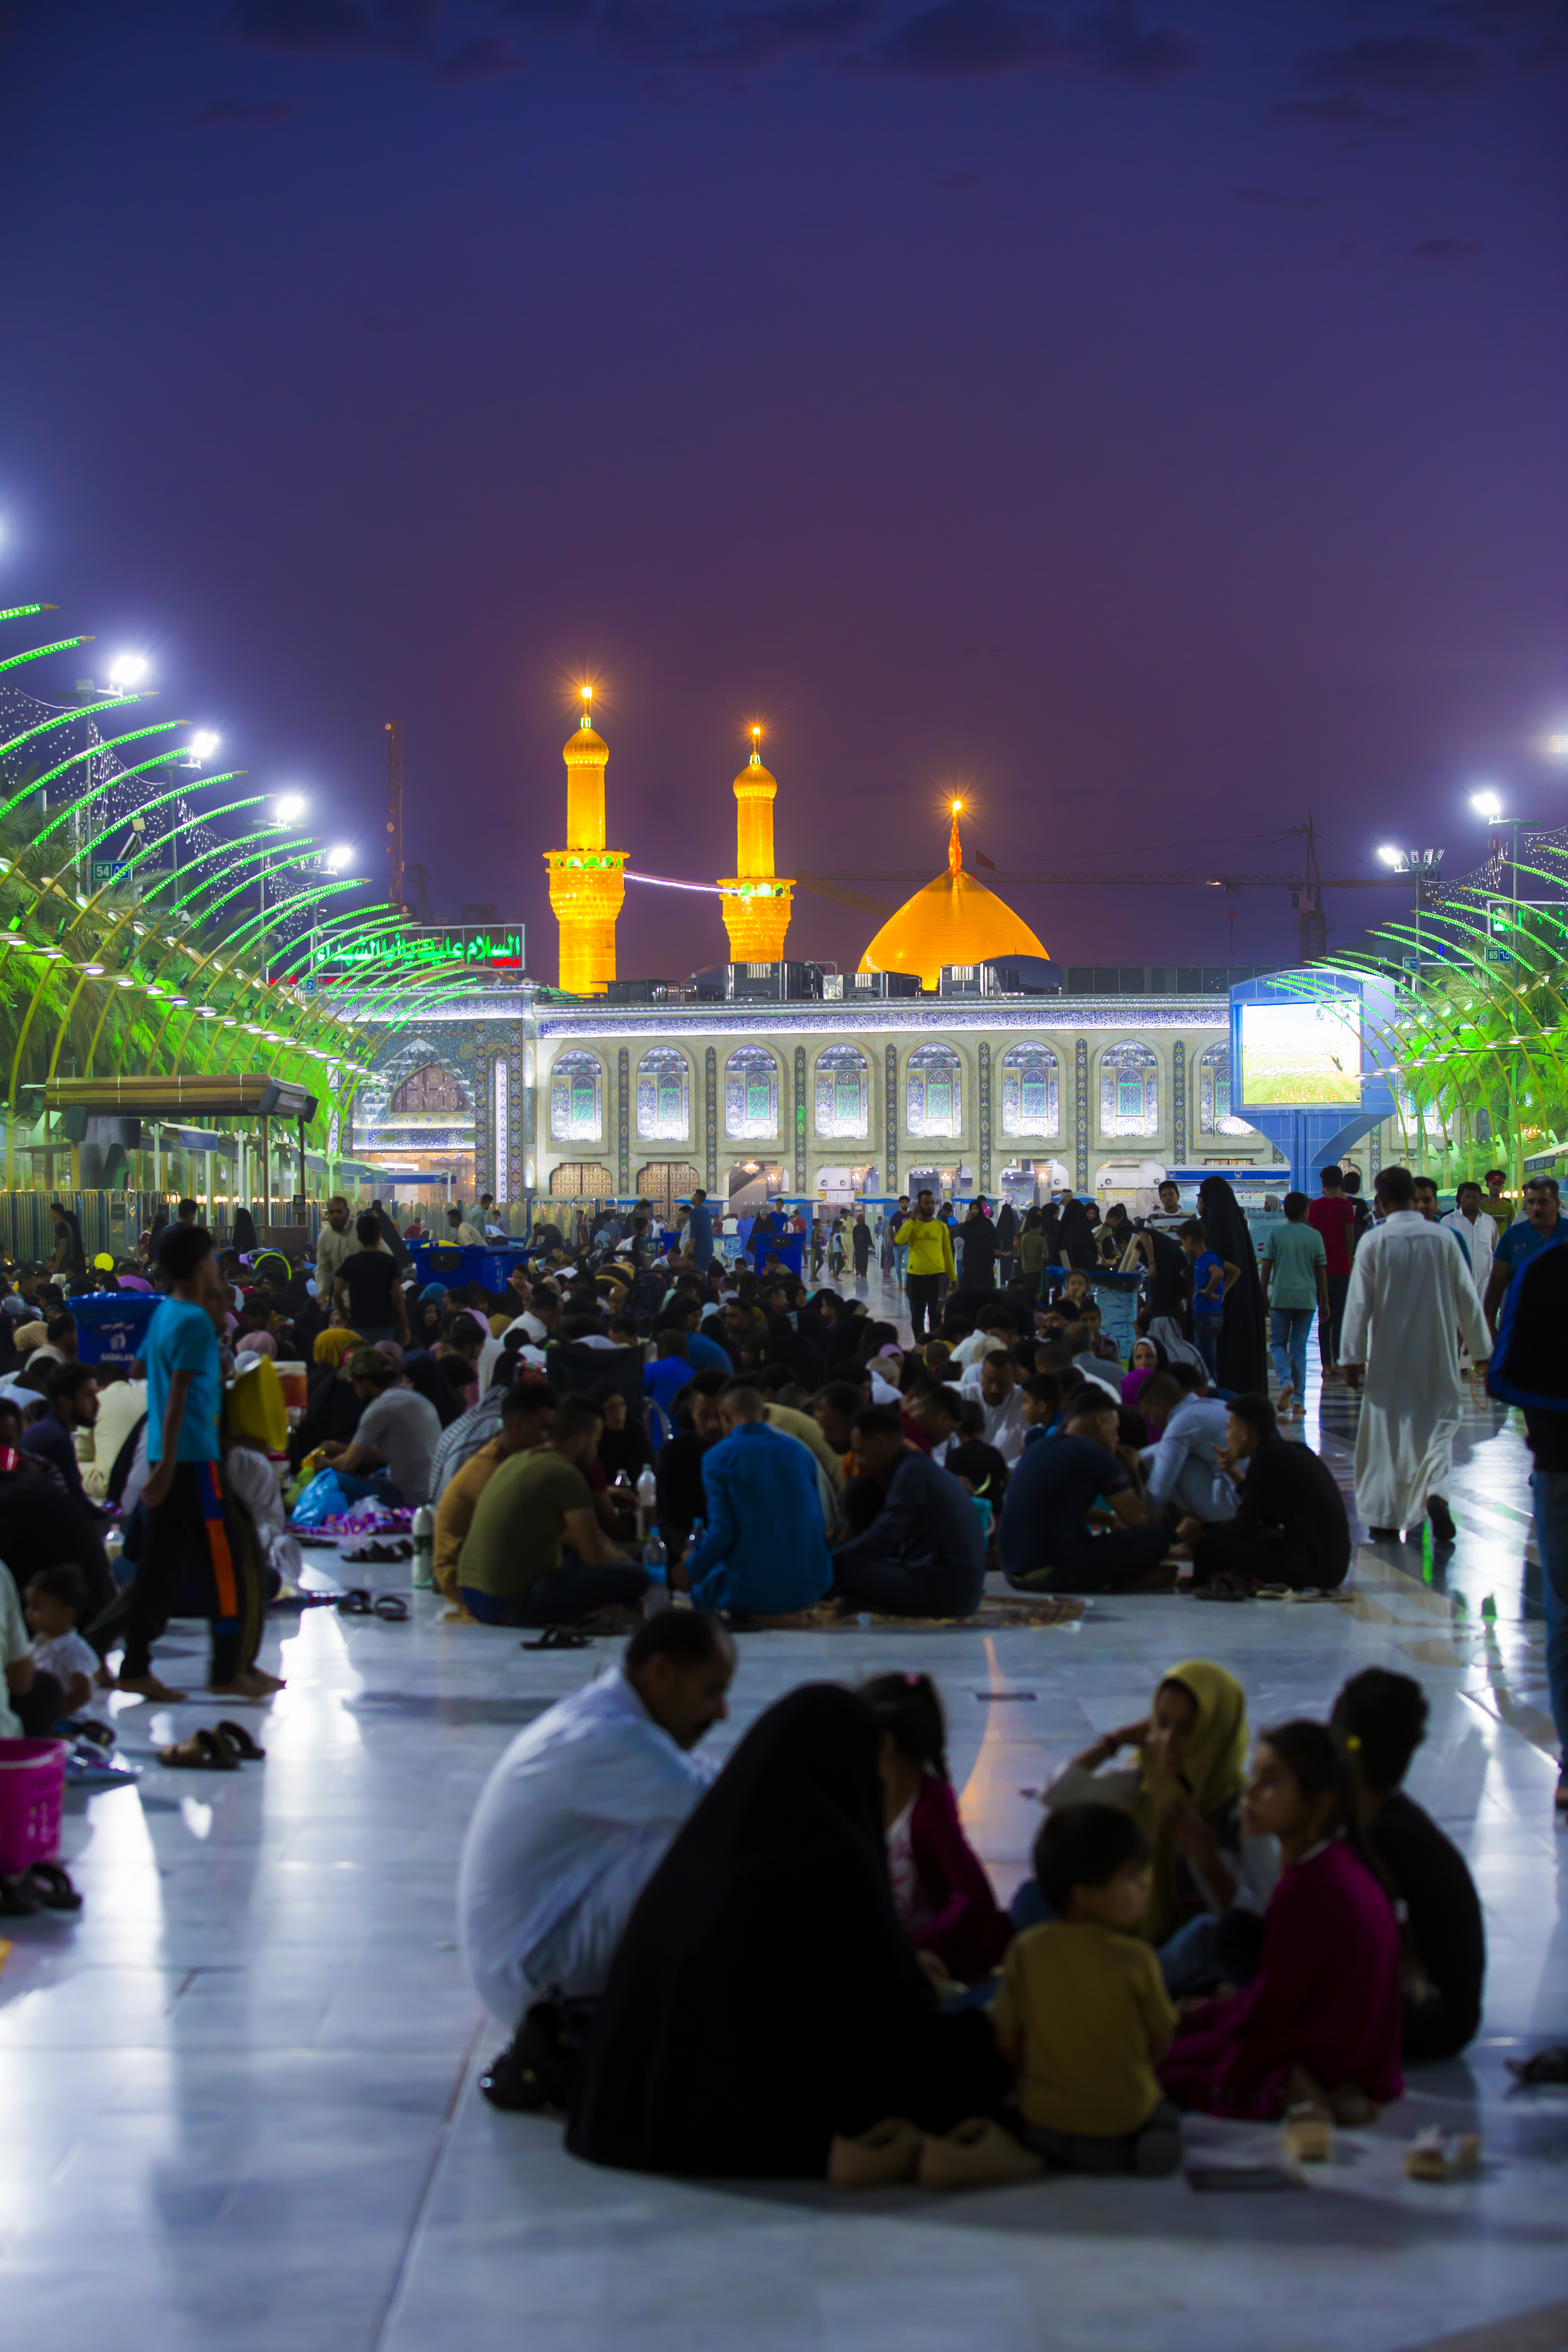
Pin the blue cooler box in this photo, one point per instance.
(112, 1324)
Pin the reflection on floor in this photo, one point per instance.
(238, 2096)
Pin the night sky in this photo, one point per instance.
(1147, 419)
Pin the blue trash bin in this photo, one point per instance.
(457, 1265)
(112, 1325)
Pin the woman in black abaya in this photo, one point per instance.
(1243, 1357)
(1075, 1244)
(764, 1996)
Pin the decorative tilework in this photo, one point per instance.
(624, 1119)
(1081, 1115)
(800, 1118)
(711, 1118)
(984, 1116)
(1179, 1102)
(1375, 1155)
(891, 1105)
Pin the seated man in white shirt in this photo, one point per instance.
(573, 1823)
(994, 1381)
(1182, 1467)
(995, 1327)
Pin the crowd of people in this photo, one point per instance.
(798, 1966)
(635, 1420)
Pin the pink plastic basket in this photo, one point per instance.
(32, 1781)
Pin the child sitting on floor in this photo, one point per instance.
(54, 1600)
(1321, 2020)
(1083, 2014)
(941, 1891)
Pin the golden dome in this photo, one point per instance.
(755, 778)
(584, 745)
(954, 919)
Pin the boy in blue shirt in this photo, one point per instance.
(1211, 1279)
(190, 1544)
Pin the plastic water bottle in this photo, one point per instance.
(647, 1500)
(655, 1558)
(424, 1534)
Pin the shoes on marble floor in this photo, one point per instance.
(977, 2153)
(1383, 1534)
(1348, 2105)
(879, 2158)
(536, 2072)
(1442, 1519)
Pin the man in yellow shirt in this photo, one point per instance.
(929, 1245)
(525, 1418)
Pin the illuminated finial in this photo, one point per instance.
(587, 694)
(756, 760)
(954, 847)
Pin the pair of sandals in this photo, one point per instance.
(42, 1886)
(380, 1555)
(561, 1637)
(360, 1602)
(222, 1750)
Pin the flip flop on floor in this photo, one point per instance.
(241, 1741)
(354, 1603)
(202, 1751)
(1222, 1588)
(54, 1890)
(1549, 2065)
(379, 1555)
(560, 1637)
(392, 1606)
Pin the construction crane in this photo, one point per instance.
(1306, 890)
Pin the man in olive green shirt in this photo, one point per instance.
(535, 1553)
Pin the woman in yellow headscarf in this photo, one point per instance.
(332, 1345)
(1186, 1790)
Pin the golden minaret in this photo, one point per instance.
(756, 903)
(586, 885)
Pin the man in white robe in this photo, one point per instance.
(1477, 1230)
(1412, 1303)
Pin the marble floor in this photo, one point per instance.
(239, 2094)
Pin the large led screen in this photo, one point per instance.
(1294, 1055)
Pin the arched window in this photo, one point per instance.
(1213, 1095)
(576, 1099)
(843, 1092)
(934, 1091)
(1031, 1091)
(751, 1092)
(664, 1096)
(1129, 1090)
(431, 1088)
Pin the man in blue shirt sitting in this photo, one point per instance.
(763, 1551)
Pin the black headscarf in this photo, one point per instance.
(1243, 1354)
(1006, 1226)
(424, 1375)
(243, 1231)
(621, 1449)
(764, 1995)
(1075, 1243)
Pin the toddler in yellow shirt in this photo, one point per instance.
(1083, 2014)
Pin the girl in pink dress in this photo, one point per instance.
(1321, 2019)
(940, 1892)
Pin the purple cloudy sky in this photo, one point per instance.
(1150, 416)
